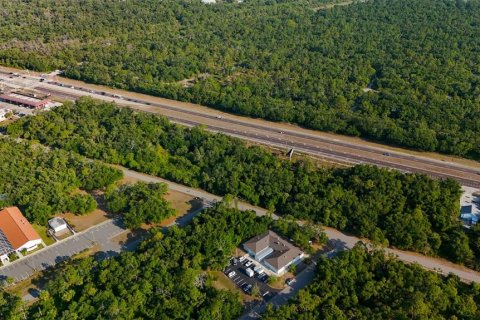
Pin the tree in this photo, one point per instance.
(140, 203)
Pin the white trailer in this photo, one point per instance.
(249, 272)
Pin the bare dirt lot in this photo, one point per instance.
(81, 223)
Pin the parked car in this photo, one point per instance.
(247, 288)
(232, 274)
(248, 263)
(290, 281)
(241, 259)
(249, 272)
(258, 269)
(264, 278)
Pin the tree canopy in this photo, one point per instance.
(140, 203)
(165, 278)
(408, 211)
(372, 286)
(401, 71)
(43, 182)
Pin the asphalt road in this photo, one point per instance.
(103, 233)
(100, 234)
(302, 280)
(339, 240)
(284, 136)
(241, 279)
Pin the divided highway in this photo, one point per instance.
(276, 135)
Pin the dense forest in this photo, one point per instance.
(42, 182)
(408, 211)
(166, 278)
(371, 286)
(406, 72)
(139, 203)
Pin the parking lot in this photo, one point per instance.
(242, 280)
(16, 109)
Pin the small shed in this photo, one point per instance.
(57, 224)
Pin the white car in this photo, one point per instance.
(248, 264)
(232, 274)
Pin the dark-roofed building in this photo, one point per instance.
(274, 252)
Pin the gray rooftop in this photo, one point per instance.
(5, 246)
(56, 222)
(283, 251)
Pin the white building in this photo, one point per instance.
(273, 252)
(16, 233)
(57, 224)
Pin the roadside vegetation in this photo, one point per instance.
(44, 182)
(408, 211)
(363, 285)
(376, 69)
(139, 203)
(166, 278)
(10, 305)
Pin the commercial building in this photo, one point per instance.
(23, 100)
(16, 233)
(273, 252)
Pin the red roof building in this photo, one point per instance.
(17, 230)
(26, 101)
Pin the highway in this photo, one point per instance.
(337, 149)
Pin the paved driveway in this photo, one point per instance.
(241, 279)
(302, 280)
(100, 234)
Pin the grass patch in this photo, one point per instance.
(42, 232)
(222, 282)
